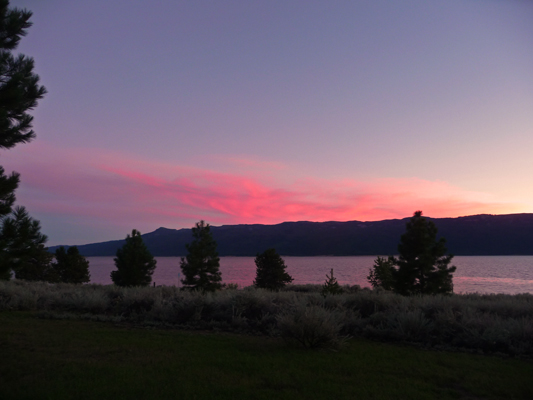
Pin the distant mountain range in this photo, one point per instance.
(473, 235)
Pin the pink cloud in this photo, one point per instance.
(116, 188)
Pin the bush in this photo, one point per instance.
(312, 327)
(488, 323)
(331, 286)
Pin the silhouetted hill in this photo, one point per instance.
(473, 235)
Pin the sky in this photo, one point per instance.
(166, 112)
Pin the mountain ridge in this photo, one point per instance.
(481, 234)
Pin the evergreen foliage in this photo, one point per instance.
(8, 185)
(135, 264)
(22, 248)
(422, 265)
(270, 272)
(19, 92)
(71, 266)
(201, 265)
(37, 266)
(382, 274)
(19, 86)
(331, 286)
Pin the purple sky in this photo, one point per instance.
(162, 113)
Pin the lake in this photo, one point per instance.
(482, 274)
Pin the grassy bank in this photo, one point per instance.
(63, 359)
(496, 324)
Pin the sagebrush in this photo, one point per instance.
(497, 323)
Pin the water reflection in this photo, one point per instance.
(482, 274)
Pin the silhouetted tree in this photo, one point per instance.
(422, 265)
(19, 86)
(22, 248)
(331, 286)
(71, 266)
(135, 264)
(270, 273)
(201, 265)
(382, 274)
(8, 185)
(37, 266)
(19, 92)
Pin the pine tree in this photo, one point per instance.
(331, 286)
(22, 245)
(270, 272)
(135, 264)
(382, 274)
(8, 185)
(19, 86)
(422, 267)
(19, 93)
(71, 266)
(423, 263)
(201, 266)
(37, 267)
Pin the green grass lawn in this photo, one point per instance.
(63, 359)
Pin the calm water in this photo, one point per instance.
(482, 274)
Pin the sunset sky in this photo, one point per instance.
(165, 112)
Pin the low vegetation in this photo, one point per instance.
(44, 359)
(331, 286)
(299, 313)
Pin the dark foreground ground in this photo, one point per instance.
(66, 359)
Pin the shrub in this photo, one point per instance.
(331, 286)
(312, 327)
(489, 323)
(230, 286)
